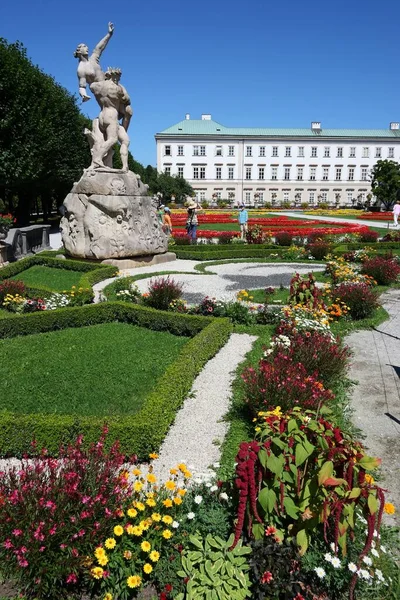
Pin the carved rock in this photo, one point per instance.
(109, 215)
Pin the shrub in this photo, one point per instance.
(304, 291)
(280, 381)
(318, 352)
(283, 238)
(210, 307)
(319, 249)
(301, 475)
(255, 235)
(11, 287)
(384, 270)
(54, 513)
(392, 236)
(369, 236)
(239, 313)
(162, 291)
(358, 297)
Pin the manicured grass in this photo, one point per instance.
(48, 277)
(106, 369)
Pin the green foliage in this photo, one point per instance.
(140, 433)
(47, 277)
(43, 149)
(385, 183)
(215, 571)
(217, 252)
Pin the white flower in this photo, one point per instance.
(333, 547)
(191, 516)
(198, 499)
(379, 575)
(383, 549)
(320, 572)
(216, 465)
(223, 496)
(363, 573)
(375, 552)
(352, 567)
(367, 561)
(328, 557)
(208, 484)
(175, 524)
(198, 480)
(213, 488)
(335, 562)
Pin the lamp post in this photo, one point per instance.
(319, 198)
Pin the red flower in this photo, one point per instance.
(266, 577)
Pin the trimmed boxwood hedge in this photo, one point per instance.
(245, 251)
(380, 247)
(140, 433)
(91, 273)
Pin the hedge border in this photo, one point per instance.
(229, 252)
(142, 432)
(91, 273)
(383, 246)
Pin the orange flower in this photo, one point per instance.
(389, 508)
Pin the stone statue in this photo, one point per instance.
(108, 214)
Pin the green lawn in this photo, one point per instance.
(106, 369)
(48, 277)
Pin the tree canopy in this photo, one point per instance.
(42, 146)
(385, 182)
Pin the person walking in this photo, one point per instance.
(167, 223)
(396, 213)
(192, 221)
(243, 217)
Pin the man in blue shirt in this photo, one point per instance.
(243, 217)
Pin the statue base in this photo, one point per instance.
(140, 261)
(108, 215)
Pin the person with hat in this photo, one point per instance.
(167, 223)
(192, 221)
(243, 217)
(160, 213)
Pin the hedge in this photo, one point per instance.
(226, 252)
(380, 247)
(91, 273)
(142, 432)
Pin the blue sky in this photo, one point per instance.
(255, 63)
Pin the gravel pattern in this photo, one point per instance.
(199, 429)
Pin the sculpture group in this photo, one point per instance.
(108, 213)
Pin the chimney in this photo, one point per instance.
(394, 126)
(187, 117)
(206, 117)
(316, 125)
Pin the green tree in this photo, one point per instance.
(385, 182)
(42, 146)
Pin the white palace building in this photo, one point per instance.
(259, 165)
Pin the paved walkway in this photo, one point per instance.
(376, 398)
(381, 224)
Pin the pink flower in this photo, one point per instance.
(8, 544)
(85, 499)
(17, 532)
(72, 578)
(23, 562)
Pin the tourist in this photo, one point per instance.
(243, 217)
(192, 221)
(160, 213)
(396, 213)
(167, 223)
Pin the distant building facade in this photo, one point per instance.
(258, 165)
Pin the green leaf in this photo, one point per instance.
(196, 542)
(290, 507)
(325, 472)
(258, 532)
(302, 541)
(300, 454)
(275, 463)
(267, 499)
(369, 463)
(355, 492)
(372, 503)
(262, 455)
(292, 425)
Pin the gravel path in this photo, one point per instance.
(199, 430)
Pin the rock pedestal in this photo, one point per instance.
(108, 214)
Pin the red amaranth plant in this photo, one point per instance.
(385, 270)
(12, 287)
(54, 512)
(303, 290)
(360, 299)
(162, 291)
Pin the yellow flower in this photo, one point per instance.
(151, 478)
(147, 568)
(173, 472)
(137, 472)
(129, 529)
(151, 502)
(132, 512)
(137, 531)
(389, 508)
(182, 467)
(145, 546)
(118, 530)
(110, 543)
(108, 596)
(137, 486)
(154, 556)
(187, 474)
(369, 478)
(145, 524)
(97, 572)
(167, 503)
(177, 500)
(99, 552)
(181, 492)
(153, 455)
(134, 581)
(140, 505)
(156, 517)
(167, 520)
(167, 534)
(127, 554)
(102, 560)
(170, 485)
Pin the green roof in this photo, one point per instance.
(190, 127)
